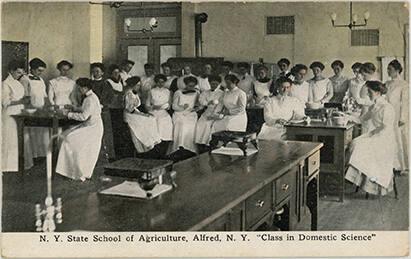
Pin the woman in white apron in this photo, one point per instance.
(114, 88)
(355, 84)
(397, 96)
(234, 111)
(171, 82)
(279, 109)
(147, 82)
(367, 71)
(372, 154)
(39, 136)
(81, 145)
(143, 126)
(262, 85)
(185, 116)
(62, 89)
(211, 100)
(300, 87)
(13, 101)
(321, 88)
(203, 82)
(339, 82)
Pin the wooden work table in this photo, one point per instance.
(215, 192)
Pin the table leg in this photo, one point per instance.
(243, 147)
(342, 187)
(255, 143)
(20, 144)
(54, 131)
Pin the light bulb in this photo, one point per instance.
(127, 22)
(355, 18)
(367, 15)
(153, 22)
(333, 16)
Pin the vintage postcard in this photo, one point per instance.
(204, 129)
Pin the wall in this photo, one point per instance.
(55, 31)
(110, 42)
(236, 31)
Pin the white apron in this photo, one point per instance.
(397, 96)
(279, 107)
(81, 145)
(235, 102)
(205, 126)
(144, 132)
(261, 90)
(184, 123)
(62, 91)
(12, 90)
(161, 97)
(373, 155)
(39, 136)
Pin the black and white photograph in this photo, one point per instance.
(218, 117)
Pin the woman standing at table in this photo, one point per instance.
(261, 85)
(300, 87)
(234, 103)
(185, 115)
(158, 103)
(36, 88)
(321, 88)
(143, 126)
(114, 88)
(397, 96)
(373, 171)
(355, 84)
(13, 101)
(279, 109)
(211, 100)
(367, 71)
(81, 145)
(339, 82)
(62, 89)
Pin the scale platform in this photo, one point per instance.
(241, 139)
(146, 178)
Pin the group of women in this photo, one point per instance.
(161, 110)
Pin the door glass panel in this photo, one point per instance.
(138, 54)
(165, 24)
(166, 52)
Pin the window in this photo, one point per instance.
(280, 25)
(365, 37)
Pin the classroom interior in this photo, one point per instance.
(88, 32)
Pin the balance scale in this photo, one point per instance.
(146, 178)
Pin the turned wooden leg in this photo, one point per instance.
(395, 188)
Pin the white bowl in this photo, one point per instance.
(30, 110)
(314, 106)
(340, 120)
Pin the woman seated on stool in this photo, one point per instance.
(372, 154)
(185, 115)
(81, 145)
(209, 99)
(279, 109)
(143, 126)
(157, 104)
(233, 116)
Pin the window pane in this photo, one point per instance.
(138, 54)
(167, 51)
(165, 24)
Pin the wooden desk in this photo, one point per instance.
(39, 119)
(215, 192)
(336, 140)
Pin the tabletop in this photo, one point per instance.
(208, 185)
(329, 124)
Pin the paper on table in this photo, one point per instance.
(233, 151)
(133, 189)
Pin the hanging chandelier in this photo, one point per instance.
(353, 20)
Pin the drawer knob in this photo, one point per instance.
(259, 203)
(314, 162)
(285, 187)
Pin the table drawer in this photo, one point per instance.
(313, 163)
(284, 186)
(258, 205)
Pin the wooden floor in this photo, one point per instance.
(358, 213)
(20, 194)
